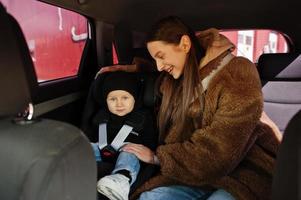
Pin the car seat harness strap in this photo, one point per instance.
(118, 141)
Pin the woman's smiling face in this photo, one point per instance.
(169, 57)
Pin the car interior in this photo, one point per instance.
(44, 148)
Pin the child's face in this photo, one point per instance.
(120, 102)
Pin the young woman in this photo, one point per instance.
(213, 144)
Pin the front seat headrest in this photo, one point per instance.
(279, 66)
(15, 57)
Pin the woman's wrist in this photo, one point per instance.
(156, 160)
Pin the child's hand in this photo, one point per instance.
(142, 152)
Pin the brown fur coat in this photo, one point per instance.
(233, 150)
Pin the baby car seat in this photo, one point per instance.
(95, 103)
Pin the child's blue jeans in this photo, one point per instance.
(125, 161)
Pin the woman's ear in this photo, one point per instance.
(185, 43)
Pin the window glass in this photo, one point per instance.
(252, 43)
(56, 37)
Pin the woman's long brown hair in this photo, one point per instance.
(181, 98)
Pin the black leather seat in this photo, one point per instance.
(281, 78)
(40, 158)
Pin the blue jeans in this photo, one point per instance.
(177, 192)
(125, 161)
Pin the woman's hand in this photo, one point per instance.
(142, 152)
(265, 119)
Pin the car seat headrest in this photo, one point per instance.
(16, 67)
(146, 94)
(279, 66)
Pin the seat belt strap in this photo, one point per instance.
(102, 135)
(118, 140)
(225, 61)
(121, 136)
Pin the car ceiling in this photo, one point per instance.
(200, 14)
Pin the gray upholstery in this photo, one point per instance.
(40, 159)
(46, 160)
(281, 78)
(279, 66)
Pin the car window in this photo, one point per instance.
(252, 43)
(56, 37)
